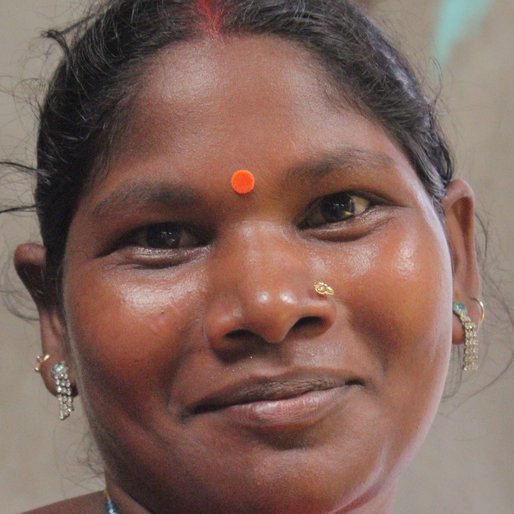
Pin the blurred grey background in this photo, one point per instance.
(465, 49)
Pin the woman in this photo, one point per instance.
(255, 259)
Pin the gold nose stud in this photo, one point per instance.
(323, 289)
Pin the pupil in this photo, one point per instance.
(163, 237)
(337, 207)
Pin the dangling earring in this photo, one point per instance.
(470, 360)
(40, 360)
(63, 387)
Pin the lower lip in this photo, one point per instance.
(294, 413)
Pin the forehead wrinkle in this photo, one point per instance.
(348, 159)
(136, 194)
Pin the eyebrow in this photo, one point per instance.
(348, 159)
(140, 193)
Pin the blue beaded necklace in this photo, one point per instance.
(110, 507)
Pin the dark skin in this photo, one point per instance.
(164, 326)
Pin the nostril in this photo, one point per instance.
(240, 334)
(308, 322)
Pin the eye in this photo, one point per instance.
(164, 236)
(335, 208)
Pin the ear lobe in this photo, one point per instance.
(459, 211)
(30, 263)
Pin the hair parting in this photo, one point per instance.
(212, 14)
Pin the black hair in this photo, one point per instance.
(108, 51)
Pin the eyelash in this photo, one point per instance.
(313, 219)
(170, 234)
(342, 202)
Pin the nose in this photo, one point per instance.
(262, 290)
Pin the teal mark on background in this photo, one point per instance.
(456, 19)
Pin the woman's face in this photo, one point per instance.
(213, 375)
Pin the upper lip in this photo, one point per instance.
(267, 388)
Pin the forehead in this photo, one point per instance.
(201, 66)
(215, 89)
(256, 102)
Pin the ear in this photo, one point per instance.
(29, 260)
(459, 208)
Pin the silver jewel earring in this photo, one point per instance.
(63, 387)
(470, 360)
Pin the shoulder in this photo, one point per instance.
(87, 504)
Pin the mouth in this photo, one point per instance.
(276, 404)
(268, 391)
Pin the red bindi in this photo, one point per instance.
(243, 182)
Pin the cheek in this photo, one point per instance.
(398, 300)
(127, 331)
(400, 296)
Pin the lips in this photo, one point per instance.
(268, 390)
(270, 403)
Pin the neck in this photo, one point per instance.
(380, 503)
